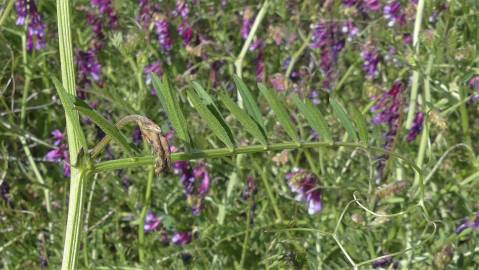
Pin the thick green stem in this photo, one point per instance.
(415, 75)
(79, 171)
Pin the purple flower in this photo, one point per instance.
(196, 183)
(154, 68)
(60, 153)
(314, 97)
(182, 9)
(373, 5)
(5, 193)
(105, 8)
(58, 136)
(371, 62)
(250, 188)
(260, 65)
(89, 69)
(350, 3)
(27, 12)
(247, 22)
(97, 26)
(468, 223)
(474, 83)
(181, 238)
(383, 262)
(278, 81)
(163, 33)
(304, 184)
(186, 32)
(145, 15)
(152, 222)
(416, 127)
(350, 30)
(136, 136)
(328, 37)
(394, 14)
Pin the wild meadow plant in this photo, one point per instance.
(272, 134)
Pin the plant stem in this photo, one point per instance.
(425, 132)
(23, 113)
(79, 173)
(264, 178)
(415, 75)
(6, 11)
(249, 39)
(141, 225)
(223, 152)
(297, 55)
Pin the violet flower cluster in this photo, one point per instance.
(184, 29)
(28, 13)
(468, 223)
(385, 262)
(330, 37)
(195, 181)
(394, 14)
(147, 11)
(363, 5)
(153, 223)
(305, 185)
(388, 110)
(163, 32)
(60, 153)
(153, 69)
(88, 68)
(416, 127)
(370, 57)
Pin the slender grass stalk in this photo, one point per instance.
(297, 55)
(249, 39)
(6, 11)
(146, 205)
(267, 186)
(415, 75)
(425, 132)
(79, 170)
(23, 115)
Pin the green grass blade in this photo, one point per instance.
(314, 118)
(67, 102)
(360, 122)
(280, 111)
(106, 126)
(219, 127)
(172, 108)
(249, 102)
(251, 126)
(343, 117)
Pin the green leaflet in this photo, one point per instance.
(280, 111)
(314, 118)
(360, 122)
(172, 108)
(106, 126)
(340, 113)
(251, 126)
(249, 102)
(67, 102)
(217, 124)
